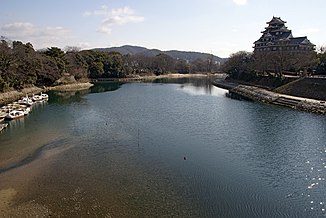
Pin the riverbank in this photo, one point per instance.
(270, 97)
(313, 87)
(8, 97)
(70, 87)
(140, 78)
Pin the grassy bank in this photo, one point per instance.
(11, 96)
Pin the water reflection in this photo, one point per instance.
(127, 152)
(198, 90)
(203, 84)
(105, 87)
(67, 97)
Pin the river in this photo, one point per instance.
(171, 148)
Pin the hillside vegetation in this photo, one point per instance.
(183, 55)
(22, 66)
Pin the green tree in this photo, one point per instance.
(239, 64)
(96, 69)
(55, 52)
(59, 56)
(113, 65)
(163, 63)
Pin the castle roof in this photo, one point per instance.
(276, 31)
(300, 40)
(276, 20)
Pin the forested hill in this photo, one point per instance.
(183, 55)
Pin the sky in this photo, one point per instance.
(219, 27)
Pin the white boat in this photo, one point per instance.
(44, 96)
(37, 98)
(15, 114)
(25, 110)
(7, 108)
(3, 114)
(40, 97)
(26, 101)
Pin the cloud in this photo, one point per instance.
(118, 16)
(240, 2)
(40, 37)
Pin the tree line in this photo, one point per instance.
(22, 66)
(248, 66)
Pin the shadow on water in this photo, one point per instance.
(63, 98)
(33, 156)
(67, 97)
(105, 87)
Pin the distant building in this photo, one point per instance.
(277, 37)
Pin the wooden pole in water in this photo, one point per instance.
(138, 137)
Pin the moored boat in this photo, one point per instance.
(15, 114)
(37, 98)
(26, 110)
(44, 96)
(26, 101)
(3, 114)
(3, 126)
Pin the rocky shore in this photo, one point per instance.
(269, 97)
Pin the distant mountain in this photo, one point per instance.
(184, 55)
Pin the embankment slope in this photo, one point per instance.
(307, 87)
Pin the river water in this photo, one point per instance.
(172, 148)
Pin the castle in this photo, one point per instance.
(277, 37)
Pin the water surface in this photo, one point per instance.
(175, 148)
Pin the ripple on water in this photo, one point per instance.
(243, 159)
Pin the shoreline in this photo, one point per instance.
(257, 94)
(154, 77)
(70, 87)
(11, 96)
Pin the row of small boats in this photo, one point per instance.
(22, 107)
